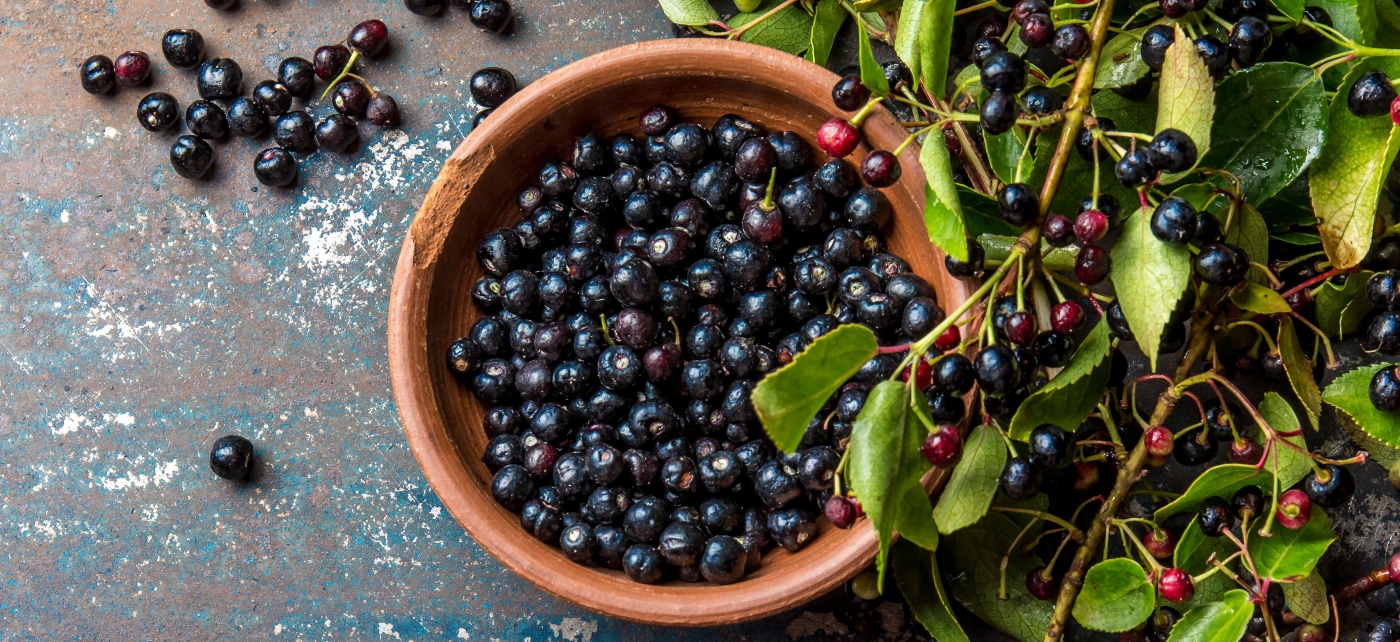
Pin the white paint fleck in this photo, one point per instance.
(310, 412)
(277, 630)
(387, 629)
(574, 629)
(111, 133)
(125, 419)
(71, 423)
(444, 146)
(63, 216)
(463, 635)
(162, 474)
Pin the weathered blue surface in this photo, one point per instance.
(143, 315)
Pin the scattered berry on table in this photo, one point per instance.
(231, 457)
(183, 48)
(132, 68)
(97, 75)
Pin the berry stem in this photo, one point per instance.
(975, 7)
(864, 112)
(1322, 337)
(349, 64)
(767, 203)
(1074, 533)
(1315, 280)
(1273, 347)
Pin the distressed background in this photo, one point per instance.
(144, 315)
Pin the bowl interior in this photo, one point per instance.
(431, 305)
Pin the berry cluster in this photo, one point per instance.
(1383, 334)
(488, 15)
(1373, 95)
(223, 109)
(649, 285)
(1069, 41)
(1249, 38)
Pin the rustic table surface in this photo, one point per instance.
(143, 315)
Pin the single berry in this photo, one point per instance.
(1160, 542)
(1245, 451)
(231, 457)
(490, 15)
(97, 75)
(849, 93)
(1176, 585)
(490, 87)
(1155, 42)
(943, 446)
(1215, 55)
(998, 112)
(1050, 446)
(1249, 38)
(949, 339)
(273, 97)
(1215, 517)
(983, 48)
(1092, 264)
(1027, 8)
(1173, 221)
(1004, 71)
(246, 118)
(425, 7)
(297, 75)
(220, 78)
(1172, 151)
(1058, 230)
(1135, 169)
(351, 98)
(275, 167)
(1294, 509)
(295, 131)
(997, 369)
(1385, 389)
(839, 511)
(382, 111)
(369, 37)
(1041, 584)
(1020, 478)
(1221, 264)
(1195, 448)
(1371, 95)
(1334, 488)
(191, 156)
(183, 48)
(837, 137)
(337, 132)
(1071, 42)
(1090, 226)
(970, 268)
(1067, 316)
(1018, 204)
(1038, 30)
(1159, 441)
(132, 67)
(330, 60)
(158, 111)
(1020, 328)
(880, 168)
(1041, 100)
(206, 120)
(1383, 289)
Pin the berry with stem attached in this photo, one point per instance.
(942, 447)
(1042, 584)
(837, 137)
(1176, 585)
(1160, 542)
(1330, 489)
(880, 168)
(1294, 509)
(369, 37)
(849, 93)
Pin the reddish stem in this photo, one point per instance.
(1315, 280)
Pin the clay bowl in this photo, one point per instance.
(430, 304)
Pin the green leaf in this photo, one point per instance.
(1120, 61)
(1347, 177)
(1251, 234)
(1299, 369)
(1116, 597)
(876, 5)
(943, 217)
(1307, 598)
(1269, 126)
(916, 573)
(1298, 238)
(872, 75)
(1291, 555)
(689, 12)
(1289, 465)
(980, 214)
(1127, 115)
(1185, 97)
(884, 461)
(1257, 298)
(1223, 621)
(1291, 206)
(1004, 154)
(1356, 19)
(913, 518)
(1059, 259)
(1069, 398)
(1351, 394)
(1194, 549)
(787, 400)
(1384, 455)
(1340, 309)
(1220, 481)
(1292, 9)
(1150, 277)
(971, 559)
(974, 481)
(788, 30)
(922, 40)
(826, 22)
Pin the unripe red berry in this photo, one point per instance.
(1090, 226)
(1395, 111)
(1394, 566)
(1161, 543)
(1066, 316)
(1020, 328)
(880, 168)
(942, 448)
(837, 137)
(949, 339)
(1245, 364)
(1294, 509)
(1040, 586)
(1311, 633)
(1176, 585)
(840, 512)
(1091, 267)
(1159, 441)
(132, 67)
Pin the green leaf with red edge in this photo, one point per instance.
(943, 216)
(1307, 598)
(916, 573)
(1221, 621)
(1350, 395)
(1116, 596)
(1300, 370)
(827, 18)
(689, 12)
(885, 465)
(1257, 298)
(1150, 277)
(788, 399)
(872, 75)
(1291, 555)
(1219, 481)
(1194, 549)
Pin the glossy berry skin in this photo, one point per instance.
(1004, 71)
(1173, 221)
(1380, 630)
(297, 75)
(1221, 264)
(490, 15)
(1383, 335)
(1067, 316)
(295, 131)
(1050, 446)
(191, 156)
(976, 256)
(382, 111)
(1215, 517)
(1020, 479)
(1058, 230)
(231, 457)
(97, 75)
(1370, 96)
(1215, 54)
(723, 560)
(183, 48)
(1191, 450)
(425, 7)
(998, 112)
(1042, 100)
(1092, 264)
(984, 47)
(490, 87)
(275, 167)
(1071, 42)
(206, 120)
(1161, 543)
(329, 60)
(1245, 451)
(643, 564)
(132, 68)
(1171, 150)
(948, 340)
(369, 37)
(1249, 38)
(158, 111)
(1020, 328)
(1383, 289)
(839, 511)
(1294, 509)
(1335, 491)
(1038, 30)
(1135, 169)
(1090, 226)
(273, 97)
(849, 93)
(1176, 585)
(337, 132)
(1159, 441)
(1041, 587)
(1018, 204)
(1385, 389)
(246, 118)
(997, 370)
(220, 78)
(837, 137)
(942, 447)
(880, 168)
(351, 98)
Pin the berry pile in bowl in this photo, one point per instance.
(576, 334)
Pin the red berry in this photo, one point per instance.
(1025, 8)
(369, 37)
(132, 67)
(943, 447)
(1066, 316)
(1176, 585)
(1394, 107)
(839, 512)
(1159, 441)
(1394, 566)
(1311, 633)
(1020, 328)
(763, 225)
(1157, 461)
(1294, 509)
(1161, 543)
(923, 373)
(1059, 230)
(860, 511)
(1090, 226)
(951, 142)
(1040, 586)
(1245, 364)
(1245, 451)
(837, 137)
(1092, 265)
(1086, 475)
(949, 339)
(880, 168)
